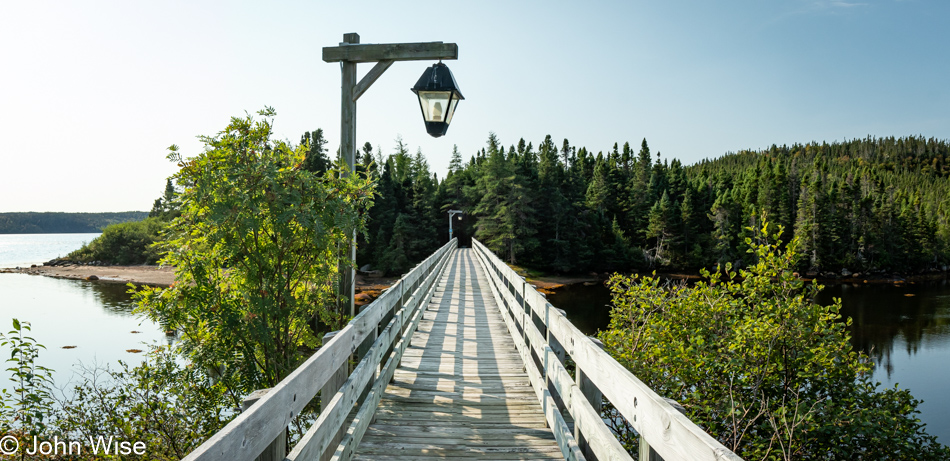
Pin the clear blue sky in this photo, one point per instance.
(92, 92)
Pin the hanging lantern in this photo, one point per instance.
(438, 96)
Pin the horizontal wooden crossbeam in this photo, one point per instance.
(391, 52)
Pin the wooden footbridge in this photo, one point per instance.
(460, 359)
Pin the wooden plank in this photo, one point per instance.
(513, 424)
(442, 431)
(499, 441)
(329, 391)
(497, 412)
(462, 456)
(448, 448)
(558, 377)
(449, 385)
(600, 440)
(562, 433)
(474, 377)
(278, 448)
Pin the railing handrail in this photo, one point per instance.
(671, 434)
(380, 333)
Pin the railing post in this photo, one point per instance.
(278, 448)
(361, 351)
(525, 318)
(399, 303)
(556, 345)
(326, 394)
(547, 340)
(594, 396)
(646, 452)
(559, 353)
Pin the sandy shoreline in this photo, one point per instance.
(159, 276)
(548, 284)
(139, 275)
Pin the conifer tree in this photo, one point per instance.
(316, 160)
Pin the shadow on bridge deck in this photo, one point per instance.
(460, 391)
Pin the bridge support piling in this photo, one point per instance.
(278, 448)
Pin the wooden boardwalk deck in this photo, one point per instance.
(440, 377)
(460, 391)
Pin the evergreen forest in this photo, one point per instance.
(869, 205)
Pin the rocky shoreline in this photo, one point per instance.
(139, 275)
(368, 287)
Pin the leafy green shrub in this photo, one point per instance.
(760, 366)
(126, 243)
(170, 407)
(25, 408)
(257, 250)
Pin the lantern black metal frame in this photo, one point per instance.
(438, 79)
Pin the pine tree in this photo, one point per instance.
(659, 229)
(455, 165)
(598, 191)
(316, 159)
(807, 226)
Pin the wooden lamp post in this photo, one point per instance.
(349, 53)
(451, 214)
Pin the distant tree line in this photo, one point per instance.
(131, 243)
(874, 204)
(63, 223)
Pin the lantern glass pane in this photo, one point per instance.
(448, 117)
(434, 105)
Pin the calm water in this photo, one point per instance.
(26, 249)
(95, 317)
(905, 329)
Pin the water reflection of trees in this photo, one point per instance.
(587, 306)
(116, 300)
(113, 297)
(884, 315)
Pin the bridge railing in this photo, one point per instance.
(378, 336)
(543, 336)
